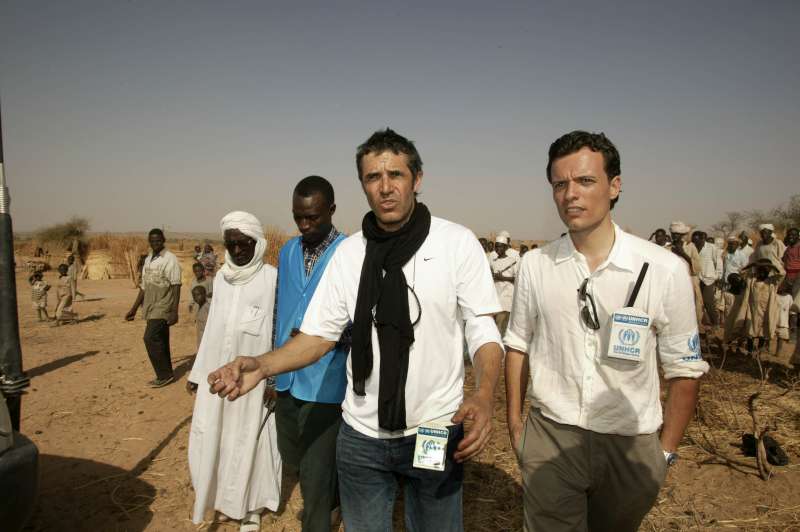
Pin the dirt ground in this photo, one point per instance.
(114, 452)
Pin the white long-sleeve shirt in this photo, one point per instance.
(572, 380)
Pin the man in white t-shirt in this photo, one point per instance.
(413, 286)
(594, 313)
(504, 270)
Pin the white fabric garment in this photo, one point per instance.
(451, 278)
(784, 305)
(250, 226)
(233, 469)
(734, 262)
(710, 264)
(506, 266)
(572, 380)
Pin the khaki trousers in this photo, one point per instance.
(501, 319)
(578, 480)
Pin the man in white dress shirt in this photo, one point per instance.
(413, 286)
(593, 451)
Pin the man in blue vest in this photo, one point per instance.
(308, 410)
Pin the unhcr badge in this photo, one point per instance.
(430, 450)
(629, 328)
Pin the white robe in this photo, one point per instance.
(233, 469)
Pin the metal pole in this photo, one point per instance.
(13, 380)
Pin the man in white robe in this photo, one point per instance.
(233, 455)
(504, 271)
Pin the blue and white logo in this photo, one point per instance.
(694, 344)
(628, 337)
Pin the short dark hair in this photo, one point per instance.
(575, 141)
(198, 265)
(314, 184)
(200, 288)
(389, 140)
(155, 231)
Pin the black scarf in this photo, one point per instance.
(388, 295)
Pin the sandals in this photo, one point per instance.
(251, 522)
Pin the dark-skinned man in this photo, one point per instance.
(308, 410)
(413, 286)
(585, 331)
(233, 452)
(504, 270)
(159, 295)
(709, 274)
(791, 263)
(688, 252)
(769, 247)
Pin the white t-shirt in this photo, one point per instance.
(451, 278)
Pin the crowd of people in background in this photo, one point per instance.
(747, 293)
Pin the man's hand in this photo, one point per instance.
(130, 315)
(476, 409)
(236, 378)
(172, 318)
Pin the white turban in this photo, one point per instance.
(250, 226)
(679, 228)
(767, 226)
(505, 234)
(501, 239)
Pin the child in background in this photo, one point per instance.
(202, 304)
(785, 302)
(200, 279)
(64, 294)
(39, 290)
(200, 299)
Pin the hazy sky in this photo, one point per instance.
(167, 113)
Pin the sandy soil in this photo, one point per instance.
(113, 452)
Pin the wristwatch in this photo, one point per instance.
(671, 458)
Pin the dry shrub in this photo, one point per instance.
(64, 233)
(276, 238)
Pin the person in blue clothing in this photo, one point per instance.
(308, 408)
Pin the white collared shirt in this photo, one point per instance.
(450, 276)
(710, 264)
(572, 380)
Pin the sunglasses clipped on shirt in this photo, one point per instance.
(589, 317)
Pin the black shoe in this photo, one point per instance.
(158, 383)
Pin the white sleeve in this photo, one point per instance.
(479, 331)
(678, 337)
(326, 315)
(173, 271)
(475, 289)
(524, 311)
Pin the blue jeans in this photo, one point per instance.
(369, 470)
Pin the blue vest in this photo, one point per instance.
(324, 381)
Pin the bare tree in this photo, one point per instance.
(727, 227)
